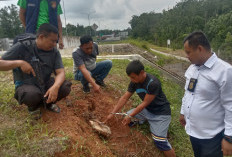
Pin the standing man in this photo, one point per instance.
(27, 84)
(86, 69)
(206, 110)
(33, 13)
(155, 107)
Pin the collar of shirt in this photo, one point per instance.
(210, 62)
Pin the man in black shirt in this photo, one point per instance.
(155, 107)
(27, 87)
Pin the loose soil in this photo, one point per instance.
(73, 121)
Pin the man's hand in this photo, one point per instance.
(51, 94)
(26, 67)
(226, 148)
(61, 45)
(126, 120)
(182, 120)
(96, 88)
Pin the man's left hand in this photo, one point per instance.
(126, 120)
(61, 45)
(51, 94)
(226, 148)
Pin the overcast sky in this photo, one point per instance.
(107, 14)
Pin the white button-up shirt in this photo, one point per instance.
(208, 110)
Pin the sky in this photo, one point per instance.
(107, 14)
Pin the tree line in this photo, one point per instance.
(214, 17)
(10, 25)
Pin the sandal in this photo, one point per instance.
(54, 108)
(36, 114)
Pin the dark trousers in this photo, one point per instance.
(32, 96)
(207, 147)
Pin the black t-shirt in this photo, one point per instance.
(49, 60)
(152, 86)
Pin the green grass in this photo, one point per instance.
(161, 59)
(21, 138)
(19, 135)
(177, 135)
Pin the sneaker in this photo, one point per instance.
(36, 114)
(100, 83)
(86, 88)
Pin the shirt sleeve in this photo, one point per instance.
(58, 61)
(131, 87)
(96, 48)
(22, 3)
(13, 53)
(78, 60)
(226, 100)
(59, 10)
(153, 88)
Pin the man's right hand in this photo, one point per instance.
(96, 88)
(182, 120)
(26, 67)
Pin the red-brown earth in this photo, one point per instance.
(73, 122)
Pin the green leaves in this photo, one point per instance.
(10, 25)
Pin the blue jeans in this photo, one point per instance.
(99, 73)
(207, 147)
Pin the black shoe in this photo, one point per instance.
(100, 83)
(133, 123)
(86, 88)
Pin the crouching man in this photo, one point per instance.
(36, 87)
(86, 69)
(155, 108)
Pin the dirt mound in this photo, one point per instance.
(73, 121)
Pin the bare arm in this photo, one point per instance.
(89, 78)
(122, 101)
(61, 45)
(23, 65)
(22, 16)
(52, 92)
(147, 100)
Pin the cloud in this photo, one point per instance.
(108, 14)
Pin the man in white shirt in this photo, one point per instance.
(206, 110)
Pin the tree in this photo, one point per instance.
(10, 25)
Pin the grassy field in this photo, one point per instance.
(161, 59)
(19, 136)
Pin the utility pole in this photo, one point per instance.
(88, 15)
(65, 20)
